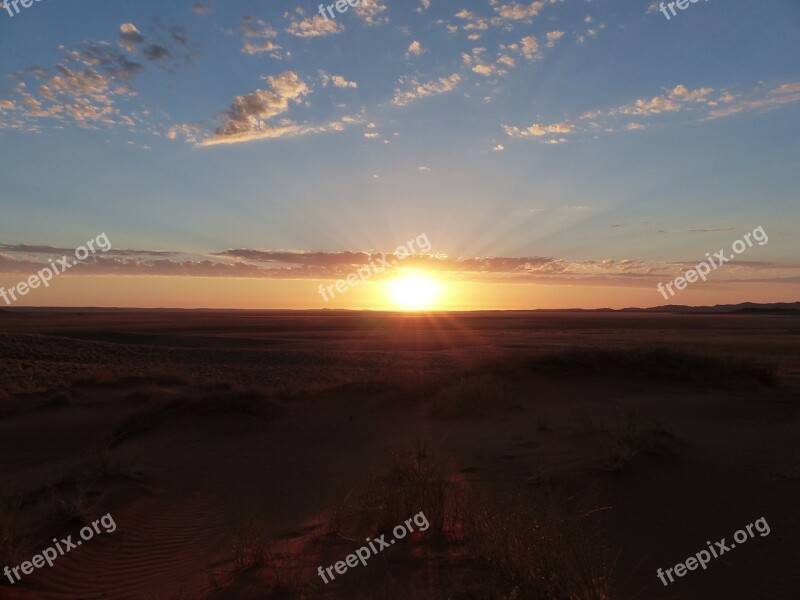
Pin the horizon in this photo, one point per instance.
(420, 311)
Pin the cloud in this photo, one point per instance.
(341, 82)
(418, 90)
(154, 52)
(370, 11)
(785, 94)
(474, 24)
(260, 46)
(679, 98)
(415, 49)
(654, 106)
(425, 5)
(787, 88)
(130, 37)
(191, 133)
(178, 35)
(85, 96)
(506, 60)
(529, 46)
(315, 26)
(56, 251)
(88, 85)
(200, 8)
(283, 264)
(712, 230)
(519, 12)
(257, 37)
(553, 37)
(103, 56)
(345, 121)
(256, 28)
(249, 116)
(684, 94)
(537, 130)
(337, 80)
(705, 101)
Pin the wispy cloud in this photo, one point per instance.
(414, 90)
(258, 36)
(703, 103)
(315, 26)
(283, 264)
(201, 8)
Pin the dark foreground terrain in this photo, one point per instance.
(552, 455)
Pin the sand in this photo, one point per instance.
(190, 426)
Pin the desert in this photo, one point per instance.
(555, 454)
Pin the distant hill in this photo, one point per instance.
(775, 308)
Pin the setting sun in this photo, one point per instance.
(414, 293)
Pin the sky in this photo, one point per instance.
(554, 154)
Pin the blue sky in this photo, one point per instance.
(595, 134)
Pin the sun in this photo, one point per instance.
(414, 293)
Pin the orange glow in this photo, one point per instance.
(414, 293)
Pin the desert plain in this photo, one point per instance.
(555, 454)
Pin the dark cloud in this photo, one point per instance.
(103, 56)
(260, 264)
(155, 52)
(55, 251)
(178, 34)
(299, 258)
(711, 230)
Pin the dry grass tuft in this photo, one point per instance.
(531, 551)
(71, 506)
(10, 526)
(522, 549)
(251, 545)
(633, 434)
(416, 482)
